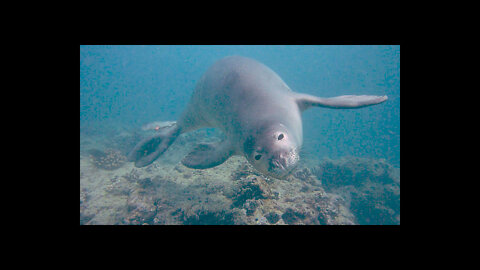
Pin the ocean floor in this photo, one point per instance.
(345, 191)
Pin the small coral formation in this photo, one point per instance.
(272, 217)
(109, 159)
(250, 188)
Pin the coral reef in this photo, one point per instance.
(332, 192)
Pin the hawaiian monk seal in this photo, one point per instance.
(259, 114)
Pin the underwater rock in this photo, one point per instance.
(145, 183)
(372, 188)
(206, 186)
(315, 207)
(159, 200)
(179, 169)
(250, 188)
(109, 159)
(240, 216)
(207, 214)
(251, 205)
(206, 217)
(141, 208)
(272, 217)
(85, 219)
(302, 201)
(292, 217)
(376, 204)
(83, 196)
(344, 191)
(117, 189)
(118, 186)
(245, 169)
(133, 176)
(262, 221)
(327, 210)
(353, 171)
(200, 203)
(305, 175)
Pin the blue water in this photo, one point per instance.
(135, 85)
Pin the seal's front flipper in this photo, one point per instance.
(149, 149)
(305, 101)
(209, 155)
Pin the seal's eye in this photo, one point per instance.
(280, 136)
(257, 157)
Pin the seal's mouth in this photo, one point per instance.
(282, 165)
(279, 164)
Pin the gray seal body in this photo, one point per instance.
(259, 114)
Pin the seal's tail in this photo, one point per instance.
(149, 149)
(158, 125)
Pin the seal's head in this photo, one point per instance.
(273, 151)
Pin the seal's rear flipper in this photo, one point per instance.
(149, 149)
(305, 101)
(209, 155)
(158, 125)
